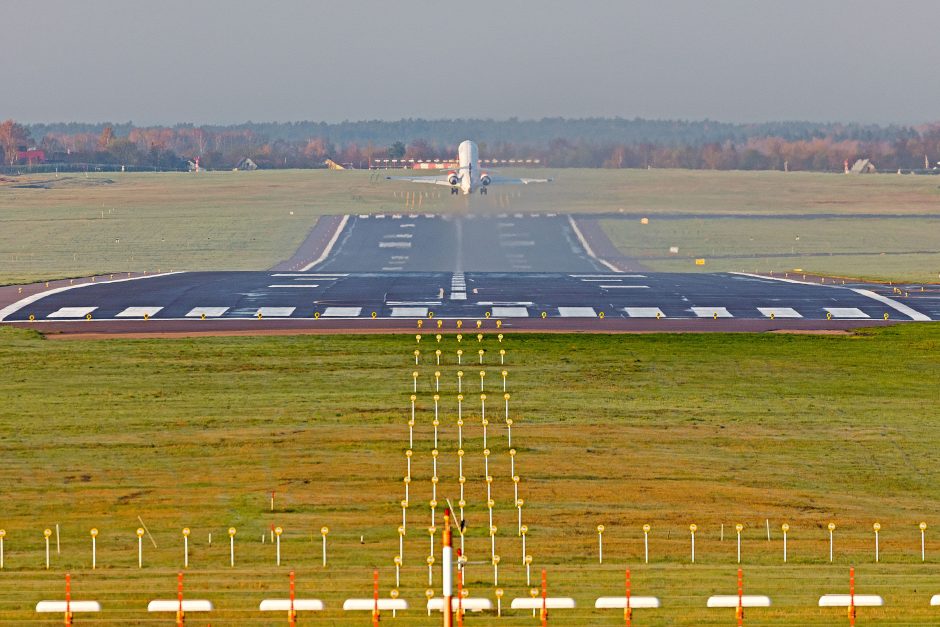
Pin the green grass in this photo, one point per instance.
(621, 430)
(881, 248)
(243, 221)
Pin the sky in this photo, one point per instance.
(211, 62)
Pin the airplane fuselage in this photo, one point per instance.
(468, 173)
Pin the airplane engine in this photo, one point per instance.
(485, 179)
(452, 178)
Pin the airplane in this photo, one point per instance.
(468, 176)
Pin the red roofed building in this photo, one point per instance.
(31, 156)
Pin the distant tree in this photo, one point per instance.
(396, 150)
(106, 137)
(12, 136)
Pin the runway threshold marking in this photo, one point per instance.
(275, 312)
(341, 312)
(208, 312)
(644, 312)
(779, 312)
(510, 312)
(577, 312)
(71, 312)
(139, 312)
(409, 312)
(846, 312)
(912, 313)
(711, 312)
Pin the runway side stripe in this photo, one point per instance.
(781, 280)
(913, 314)
(330, 244)
(587, 247)
(12, 309)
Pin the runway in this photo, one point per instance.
(460, 243)
(537, 272)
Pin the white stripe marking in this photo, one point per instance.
(71, 312)
(294, 285)
(779, 312)
(342, 312)
(311, 275)
(409, 312)
(139, 312)
(329, 246)
(607, 277)
(623, 287)
(913, 314)
(510, 312)
(208, 312)
(846, 312)
(577, 312)
(644, 312)
(394, 244)
(275, 312)
(709, 312)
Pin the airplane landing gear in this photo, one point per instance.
(454, 190)
(483, 191)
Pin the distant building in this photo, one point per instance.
(246, 164)
(862, 166)
(30, 156)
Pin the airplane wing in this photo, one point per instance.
(502, 180)
(431, 180)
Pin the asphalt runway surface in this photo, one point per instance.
(460, 243)
(537, 272)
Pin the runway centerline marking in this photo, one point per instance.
(71, 312)
(394, 244)
(624, 287)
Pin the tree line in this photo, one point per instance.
(556, 142)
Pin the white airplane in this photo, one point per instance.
(468, 176)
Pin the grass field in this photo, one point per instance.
(902, 249)
(75, 226)
(620, 430)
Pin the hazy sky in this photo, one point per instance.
(205, 61)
